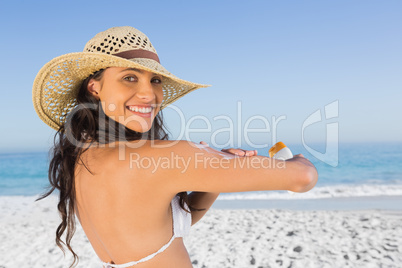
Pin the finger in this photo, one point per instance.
(251, 152)
(234, 151)
(204, 143)
(254, 152)
(241, 152)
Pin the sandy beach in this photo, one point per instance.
(223, 238)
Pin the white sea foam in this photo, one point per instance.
(341, 190)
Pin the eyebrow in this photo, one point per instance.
(132, 69)
(135, 70)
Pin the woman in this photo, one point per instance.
(113, 164)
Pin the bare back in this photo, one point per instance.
(125, 213)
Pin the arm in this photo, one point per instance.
(208, 170)
(201, 200)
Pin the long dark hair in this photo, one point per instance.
(87, 122)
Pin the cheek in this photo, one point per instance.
(159, 96)
(113, 107)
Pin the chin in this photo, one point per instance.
(138, 124)
(138, 128)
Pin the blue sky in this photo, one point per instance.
(274, 58)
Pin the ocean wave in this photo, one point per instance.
(330, 191)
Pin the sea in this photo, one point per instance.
(355, 170)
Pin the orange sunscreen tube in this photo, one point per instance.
(280, 151)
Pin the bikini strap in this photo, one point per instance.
(108, 265)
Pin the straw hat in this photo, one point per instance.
(57, 84)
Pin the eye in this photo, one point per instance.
(130, 78)
(156, 80)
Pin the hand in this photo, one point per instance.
(239, 152)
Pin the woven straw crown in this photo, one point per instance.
(57, 84)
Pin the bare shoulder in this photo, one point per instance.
(132, 151)
(111, 170)
(98, 157)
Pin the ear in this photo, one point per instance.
(94, 88)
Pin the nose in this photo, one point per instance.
(146, 91)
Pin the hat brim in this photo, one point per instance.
(57, 84)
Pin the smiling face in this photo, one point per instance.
(129, 96)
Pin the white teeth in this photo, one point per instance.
(141, 110)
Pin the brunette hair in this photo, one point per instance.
(87, 122)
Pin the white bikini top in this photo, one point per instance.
(181, 227)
